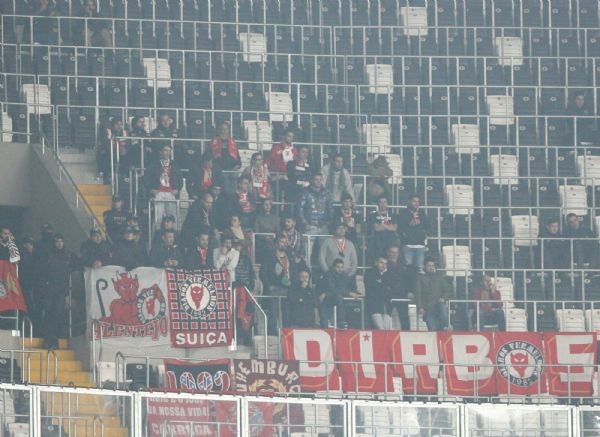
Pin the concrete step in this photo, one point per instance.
(79, 379)
(68, 157)
(83, 173)
(64, 366)
(61, 354)
(63, 409)
(99, 199)
(94, 189)
(36, 343)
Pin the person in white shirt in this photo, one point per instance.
(226, 257)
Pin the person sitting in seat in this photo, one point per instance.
(490, 307)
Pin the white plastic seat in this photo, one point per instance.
(416, 322)
(505, 169)
(516, 320)
(510, 50)
(7, 127)
(573, 199)
(414, 20)
(37, 98)
(395, 163)
(588, 167)
(592, 320)
(259, 134)
(460, 199)
(525, 229)
(506, 288)
(254, 46)
(500, 109)
(280, 106)
(457, 260)
(466, 138)
(381, 78)
(570, 320)
(377, 137)
(157, 70)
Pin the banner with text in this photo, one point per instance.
(125, 307)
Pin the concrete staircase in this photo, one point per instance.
(76, 414)
(83, 170)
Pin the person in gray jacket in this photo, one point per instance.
(337, 179)
(338, 247)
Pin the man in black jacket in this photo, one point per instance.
(201, 217)
(115, 219)
(553, 247)
(241, 203)
(335, 286)
(379, 288)
(95, 251)
(200, 256)
(163, 181)
(166, 254)
(412, 224)
(583, 244)
(56, 274)
(128, 253)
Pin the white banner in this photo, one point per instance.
(125, 306)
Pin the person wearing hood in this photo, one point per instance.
(56, 273)
(315, 209)
(127, 253)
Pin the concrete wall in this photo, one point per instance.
(15, 174)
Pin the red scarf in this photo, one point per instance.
(215, 148)
(207, 178)
(202, 252)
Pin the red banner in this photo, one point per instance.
(520, 363)
(11, 295)
(365, 348)
(185, 417)
(576, 356)
(469, 369)
(412, 348)
(314, 349)
(199, 308)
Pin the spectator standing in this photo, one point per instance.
(347, 215)
(490, 311)
(128, 253)
(276, 275)
(115, 219)
(9, 251)
(113, 148)
(378, 292)
(202, 177)
(166, 253)
(282, 153)
(226, 257)
(382, 227)
(583, 242)
(295, 240)
(258, 174)
(315, 208)
(336, 285)
(201, 217)
(240, 203)
(303, 299)
(402, 285)
(553, 246)
(200, 255)
(95, 251)
(432, 290)
(338, 248)
(28, 273)
(163, 180)
(582, 125)
(244, 277)
(236, 231)
(337, 179)
(413, 232)
(266, 226)
(225, 154)
(96, 31)
(299, 175)
(139, 147)
(56, 275)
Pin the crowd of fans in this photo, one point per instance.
(302, 262)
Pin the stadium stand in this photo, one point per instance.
(468, 131)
